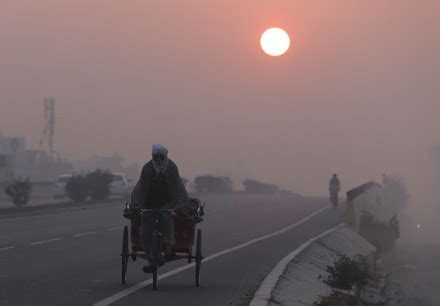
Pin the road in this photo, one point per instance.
(72, 257)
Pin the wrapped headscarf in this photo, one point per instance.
(160, 165)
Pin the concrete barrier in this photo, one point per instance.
(298, 278)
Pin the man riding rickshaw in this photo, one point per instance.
(159, 186)
(163, 218)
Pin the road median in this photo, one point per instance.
(9, 212)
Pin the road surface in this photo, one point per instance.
(72, 257)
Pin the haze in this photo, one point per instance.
(356, 94)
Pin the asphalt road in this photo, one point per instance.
(72, 257)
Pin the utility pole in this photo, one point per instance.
(49, 126)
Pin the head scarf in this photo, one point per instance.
(160, 166)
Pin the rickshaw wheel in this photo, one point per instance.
(124, 254)
(190, 255)
(155, 276)
(198, 256)
(155, 254)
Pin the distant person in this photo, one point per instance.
(334, 188)
(159, 186)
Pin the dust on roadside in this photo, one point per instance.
(414, 275)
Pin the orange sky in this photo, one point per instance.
(357, 93)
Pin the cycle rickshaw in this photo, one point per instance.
(185, 236)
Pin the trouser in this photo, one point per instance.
(334, 198)
(166, 228)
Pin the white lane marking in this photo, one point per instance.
(15, 219)
(84, 234)
(128, 291)
(45, 241)
(115, 228)
(8, 248)
(264, 293)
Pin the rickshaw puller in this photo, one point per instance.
(159, 186)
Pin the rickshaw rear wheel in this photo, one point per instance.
(199, 256)
(124, 254)
(155, 254)
(190, 257)
(155, 276)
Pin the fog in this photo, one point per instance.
(357, 93)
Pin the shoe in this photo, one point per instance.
(148, 269)
(170, 256)
(169, 252)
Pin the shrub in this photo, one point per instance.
(382, 235)
(348, 273)
(344, 299)
(213, 184)
(77, 188)
(19, 191)
(337, 299)
(395, 192)
(253, 186)
(99, 184)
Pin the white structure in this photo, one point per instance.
(16, 161)
(11, 149)
(298, 279)
(368, 198)
(49, 125)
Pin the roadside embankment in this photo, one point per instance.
(299, 278)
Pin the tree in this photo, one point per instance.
(395, 192)
(99, 184)
(19, 191)
(213, 184)
(254, 186)
(77, 188)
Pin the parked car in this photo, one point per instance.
(60, 186)
(119, 185)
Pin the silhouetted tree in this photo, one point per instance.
(99, 184)
(77, 188)
(19, 191)
(395, 192)
(213, 184)
(253, 186)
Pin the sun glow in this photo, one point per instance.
(275, 41)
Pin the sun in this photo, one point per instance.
(275, 41)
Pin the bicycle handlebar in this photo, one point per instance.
(155, 209)
(144, 210)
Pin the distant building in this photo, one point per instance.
(112, 163)
(17, 161)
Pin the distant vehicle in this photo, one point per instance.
(60, 186)
(119, 185)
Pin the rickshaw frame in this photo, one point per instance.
(185, 232)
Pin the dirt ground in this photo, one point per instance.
(414, 265)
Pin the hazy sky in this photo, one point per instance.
(357, 94)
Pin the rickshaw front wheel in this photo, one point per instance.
(199, 256)
(124, 255)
